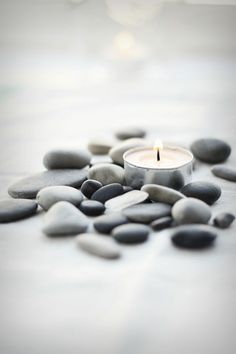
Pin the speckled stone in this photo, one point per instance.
(100, 146)
(130, 132)
(48, 196)
(205, 191)
(59, 158)
(211, 150)
(225, 172)
(223, 220)
(89, 187)
(107, 173)
(117, 152)
(131, 233)
(107, 192)
(106, 223)
(158, 193)
(126, 200)
(16, 209)
(92, 207)
(98, 246)
(162, 223)
(191, 211)
(193, 236)
(146, 213)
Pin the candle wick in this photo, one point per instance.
(158, 155)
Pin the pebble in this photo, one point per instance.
(92, 207)
(63, 219)
(48, 196)
(106, 223)
(162, 223)
(127, 189)
(193, 236)
(126, 200)
(56, 159)
(107, 192)
(107, 173)
(223, 220)
(98, 246)
(89, 187)
(131, 233)
(205, 191)
(146, 213)
(210, 150)
(130, 132)
(225, 172)
(16, 209)
(191, 211)
(30, 186)
(117, 152)
(100, 146)
(158, 193)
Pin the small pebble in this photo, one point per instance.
(107, 192)
(16, 209)
(117, 152)
(100, 146)
(48, 196)
(98, 246)
(223, 220)
(193, 236)
(205, 191)
(107, 173)
(130, 132)
(56, 159)
(225, 172)
(131, 233)
(191, 211)
(146, 213)
(126, 200)
(106, 223)
(89, 187)
(92, 207)
(211, 150)
(158, 193)
(127, 189)
(162, 223)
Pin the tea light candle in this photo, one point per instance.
(169, 166)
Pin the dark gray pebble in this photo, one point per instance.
(63, 158)
(106, 223)
(146, 213)
(107, 192)
(130, 132)
(193, 236)
(223, 220)
(92, 207)
(131, 233)
(16, 209)
(89, 187)
(162, 223)
(225, 172)
(211, 150)
(205, 191)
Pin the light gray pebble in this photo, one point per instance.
(48, 196)
(59, 158)
(130, 132)
(99, 146)
(146, 213)
(117, 152)
(126, 200)
(225, 172)
(16, 209)
(107, 173)
(191, 211)
(158, 193)
(223, 220)
(98, 245)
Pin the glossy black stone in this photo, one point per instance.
(16, 209)
(205, 191)
(131, 233)
(92, 207)
(106, 223)
(162, 223)
(193, 236)
(89, 187)
(223, 220)
(108, 192)
(210, 150)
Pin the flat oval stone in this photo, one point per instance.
(107, 192)
(191, 211)
(29, 187)
(16, 209)
(131, 233)
(158, 193)
(211, 150)
(48, 196)
(225, 172)
(92, 207)
(59, 158)
(100, 146)
(107, 173)
(117, 152)
(98, 246)
(106, 223)
(126, 200)
(130, 132)
(64, 219)
(223, 220)
(89, 187)
(162, 223)
(205, 191)
(193, 236)
(146, 213)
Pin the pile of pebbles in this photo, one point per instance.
(92, 201)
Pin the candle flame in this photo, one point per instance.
(158, 145)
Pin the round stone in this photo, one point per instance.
(158, 193)
(48, 196)
(131, 233)
(191, 211)
(146, 213)
(106, 223)
(205, 191)
(107, 173)
(16, 209)
(89, 187)
(211, 150)
(225, 172)
(223, 220)
(126, 200)
(193, 236)
(92, 207)
(162, 223)
(107, 192)
(117, 152)
(64, 219)
(30, 186)
(56, 159)
(130, 132)
(98, 246)
(100, 146)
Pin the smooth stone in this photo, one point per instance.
(158, 193)
(100, 146)
(16, 209)
(117, 152)
(205, 191)
(223, 220)
(162, 223)
(100, 159)
(107, 173)
(89, 187)
(210, 150)
(48, 196)
(63, 219)
(127, 189)
(146, 213)
(225, 172)
(130, 132)
(131, 233)
(126, 200)
(59, 158)
(98, 246)
(29, 187)
(107, 192)
(193, 236)
(191, 211)
(92, 207)
(106, 223)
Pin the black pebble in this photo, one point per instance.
(107, 192)
(223, 220)
(89, 187)
(106, 223)
(16, 209)
(131, 233)
(92, 207)
(193, 236)
(205, 191)
(162, 223)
